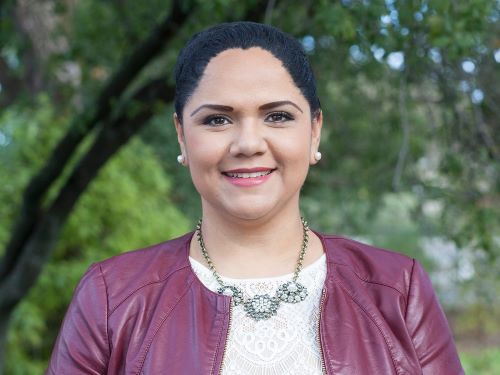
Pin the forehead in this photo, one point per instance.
(247, 76)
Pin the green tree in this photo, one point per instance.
(126, 207)
(410, 96)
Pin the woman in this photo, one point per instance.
(252, 290)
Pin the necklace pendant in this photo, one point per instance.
(261, 307)
(292, 292)
(235, 293)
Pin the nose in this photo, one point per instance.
(248, 139)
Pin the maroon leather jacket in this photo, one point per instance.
(146, 312)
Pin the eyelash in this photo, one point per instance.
(285, 115)
(211, 118)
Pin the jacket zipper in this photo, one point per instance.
(227, 337)
(323, 367)
(322, 358)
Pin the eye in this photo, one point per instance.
(216, 120)
(279, 117)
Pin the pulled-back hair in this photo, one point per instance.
(205, 45)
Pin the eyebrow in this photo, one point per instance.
(226, 108)
(279, 103)
(217, 107)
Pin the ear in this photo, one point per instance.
(180, 138)
(316, 126)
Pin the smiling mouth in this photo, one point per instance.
(248, 174)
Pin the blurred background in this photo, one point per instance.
(411, 146)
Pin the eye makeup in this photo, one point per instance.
(279, 116)
(216, 120)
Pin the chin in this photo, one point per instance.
(249, 214)
(248, 211)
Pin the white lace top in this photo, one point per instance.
(286, 343)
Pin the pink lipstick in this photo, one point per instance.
(247, 177)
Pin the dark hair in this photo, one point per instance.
(203, 46)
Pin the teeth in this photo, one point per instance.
(248, 175)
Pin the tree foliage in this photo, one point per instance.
(126, 207)
(411, 142)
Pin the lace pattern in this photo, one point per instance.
(287, 343)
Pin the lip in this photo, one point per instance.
(248, 181)
(249, 170)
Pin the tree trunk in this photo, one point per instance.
(4, 326)
(36, 229)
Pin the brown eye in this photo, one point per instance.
(216, 121)
(279, 117)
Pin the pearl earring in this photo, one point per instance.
(317, 156)
(180, 159)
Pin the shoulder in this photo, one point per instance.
(395, 294)
(126, 274)
(152, 262)
(368, 263)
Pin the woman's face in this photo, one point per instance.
(247, 136)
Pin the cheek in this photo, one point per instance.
(295, 148)
(202, 148)
(204, 155)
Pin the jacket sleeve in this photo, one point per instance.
(428, 327)
(82, 346)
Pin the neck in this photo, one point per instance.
(251, 248)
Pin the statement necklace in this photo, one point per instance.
(262, 306)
